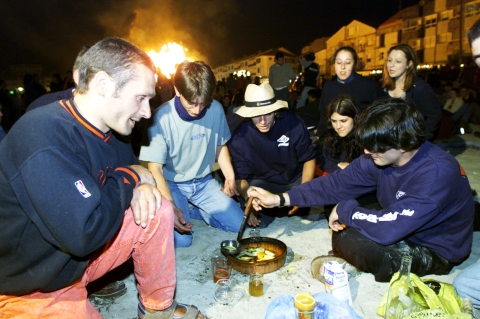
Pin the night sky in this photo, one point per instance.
(51, 32)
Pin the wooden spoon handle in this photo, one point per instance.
(248, 206)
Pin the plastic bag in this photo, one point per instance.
(328, 307)
(442, 298)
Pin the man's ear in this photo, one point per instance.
(75, 76)
(101, 82)
(176, 91)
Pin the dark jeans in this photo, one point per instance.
(383, 261)
(281, 94)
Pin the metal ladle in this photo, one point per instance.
(236, 243)
(246, 213)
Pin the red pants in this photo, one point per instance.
(154, 263)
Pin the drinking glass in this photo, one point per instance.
(224, 292)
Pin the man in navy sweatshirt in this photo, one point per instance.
(75, 201)
(427, 206)
(272, 149)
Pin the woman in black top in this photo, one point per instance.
(400, 81)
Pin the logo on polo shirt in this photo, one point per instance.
(283, 141)
(198, 136)
(399, 194)
(82, 189)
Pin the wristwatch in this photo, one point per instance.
(282, 200)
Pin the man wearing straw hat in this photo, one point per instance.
(273, 150)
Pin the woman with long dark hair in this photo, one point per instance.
(340, 147)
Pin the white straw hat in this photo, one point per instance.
(260, 100)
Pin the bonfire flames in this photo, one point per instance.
(167, 59)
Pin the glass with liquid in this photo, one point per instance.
(255, 285)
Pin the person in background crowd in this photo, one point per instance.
(97, 208)
(427, 210)
(467, 283)
(272, 150)
(237, 101)
(11, 110)
(187, 135)
(310, 113)
(311, 74)
(56, 84)
(33, 88)
(226, 99)
(399, 81)
(60, 95)
(231, 83)
(446, 91)
(460, 108)
(220, 91)
(454, 102)
(280, 76)
(470, 106)
(2, 132)
(68, 81)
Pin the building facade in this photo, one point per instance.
(435, 29)
(255, 65)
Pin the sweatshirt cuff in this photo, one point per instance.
(294, 196)
(129, 175)
(345, 210)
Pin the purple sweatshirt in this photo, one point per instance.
(427, 201)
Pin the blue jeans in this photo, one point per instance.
(202, 199)
(464, 114)
(303, 97)
(467, 284)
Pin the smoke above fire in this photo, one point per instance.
(58, 29)
(195, 25)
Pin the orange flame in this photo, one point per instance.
(168, 58)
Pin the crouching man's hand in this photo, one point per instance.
(181, 224)
(146, 197)
(263, 198)
(333, 222)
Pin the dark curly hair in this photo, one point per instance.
(391, 124)
(344, 106)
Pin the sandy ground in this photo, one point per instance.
(305, 240)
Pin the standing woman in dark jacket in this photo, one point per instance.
(339, 147)
(400, 81)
